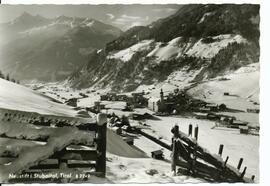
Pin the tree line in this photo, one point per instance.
(8, 78)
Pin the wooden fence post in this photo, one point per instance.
(225, 163)
(175, 131)
(220, 150)
(244, 172)
(196, 132)
(62, 164)
(221, 173)
(173, 165)
(101, 143)
(190, 130)
(240, 163)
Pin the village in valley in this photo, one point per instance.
(144, 120)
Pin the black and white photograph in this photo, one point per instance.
(130, 93)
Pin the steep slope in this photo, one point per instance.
(18, 97)
(208, 40)
(49, 49)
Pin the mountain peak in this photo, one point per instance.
(24, 15)
(27, 17)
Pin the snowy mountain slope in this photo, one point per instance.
(18, 97)
(241, 84)
(126, 54)
(143, 56)
(50, 49)
(243, 88)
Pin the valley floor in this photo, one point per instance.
(132, 170)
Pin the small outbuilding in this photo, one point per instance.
(244, 129)
(158, 154)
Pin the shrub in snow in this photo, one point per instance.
(151, 172)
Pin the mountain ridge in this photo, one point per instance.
(146, 55)
(51, 49)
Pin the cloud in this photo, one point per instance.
(128, 21)
(130, 17)
(167, 10)
(137, 23)
(111, 16)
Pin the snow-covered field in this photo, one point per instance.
(134, 170)
(243, 83)
(243, 87)
(236, 146)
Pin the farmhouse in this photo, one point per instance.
(212, 106)
(122, 97)
(153, 104)
(253, 110)
(138, 100)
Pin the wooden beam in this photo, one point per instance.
(101, 143)
(43, 138)
(75, 155)
(44, 166)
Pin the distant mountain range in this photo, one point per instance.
(197, 42)
(34, 47)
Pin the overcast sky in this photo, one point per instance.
(122, 16)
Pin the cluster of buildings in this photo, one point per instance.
(174, 103)
(136, 99)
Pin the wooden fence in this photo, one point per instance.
(89, 157)
(197, 161)
(188, 157)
